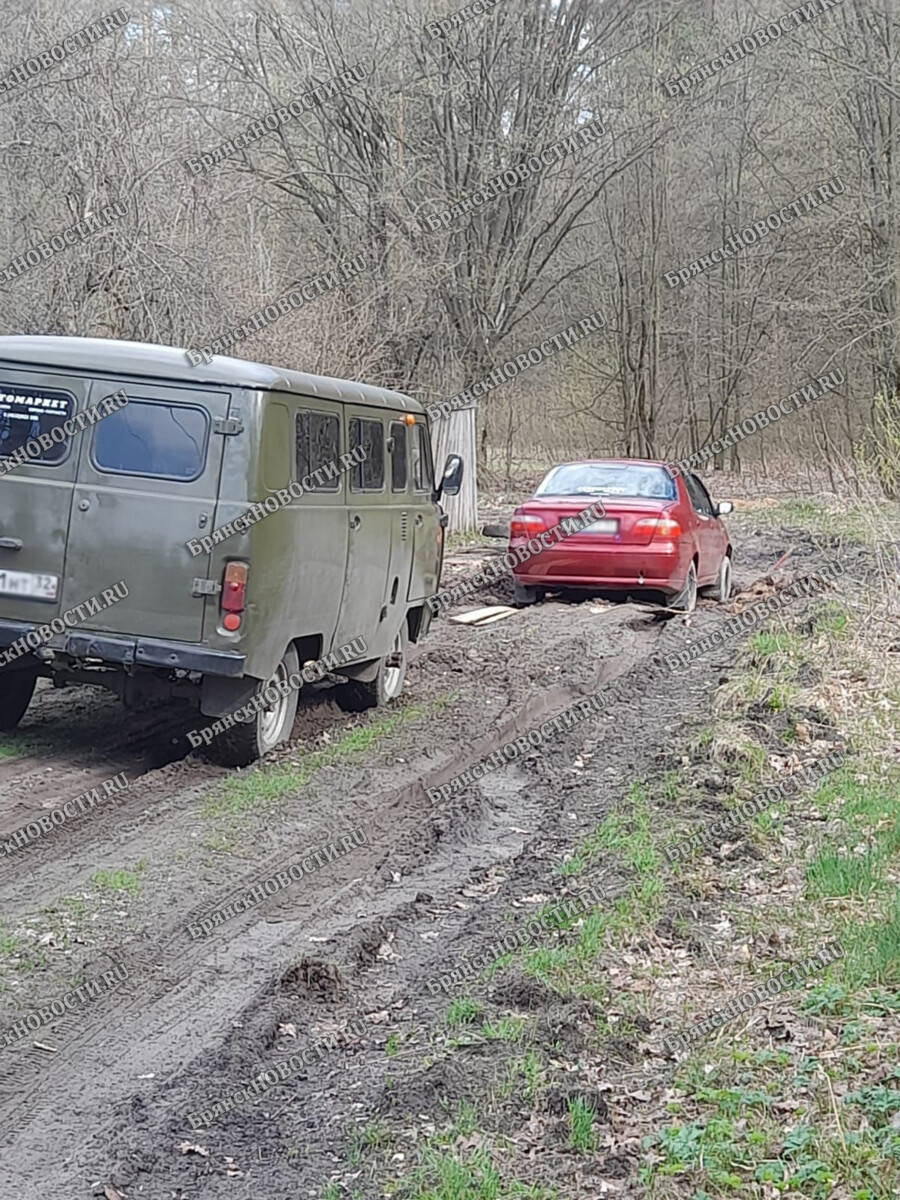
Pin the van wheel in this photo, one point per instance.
(246, 742)
(16, 689)
(387, 684)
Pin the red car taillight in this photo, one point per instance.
(526, 525)
(234, 594)
(660, 527)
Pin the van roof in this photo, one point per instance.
(110, 357)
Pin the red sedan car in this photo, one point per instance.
(660, 534)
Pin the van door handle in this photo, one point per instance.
(355, 522)
(10, 543)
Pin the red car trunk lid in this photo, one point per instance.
(624, 512)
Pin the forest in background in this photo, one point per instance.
(430, 122)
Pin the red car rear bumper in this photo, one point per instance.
(658, 567)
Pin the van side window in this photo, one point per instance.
(422, 472)
(399, 461)
(368, 476)
(318, 444)
(27, 413)
(151, 438)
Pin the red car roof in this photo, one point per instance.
(615, 462)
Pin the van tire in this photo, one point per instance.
(359, 696)
(17, 686)
(248, 741)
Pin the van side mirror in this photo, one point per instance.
(451, 481)
(723, 509)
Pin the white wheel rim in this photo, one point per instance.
(725, 587)
(691, 599)
(393, 674)
(273, 717)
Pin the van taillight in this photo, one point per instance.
(234, 587)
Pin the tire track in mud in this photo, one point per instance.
(104, 741)
(156, 788)
(166, 972)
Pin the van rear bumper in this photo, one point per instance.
(128, 651)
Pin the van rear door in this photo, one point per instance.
(148, 481)
(35, 496)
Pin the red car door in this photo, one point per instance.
(706, 530)
(718, 535)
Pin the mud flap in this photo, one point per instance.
(365, 672)
(219, 697)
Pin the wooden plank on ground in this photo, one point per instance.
(484, 616)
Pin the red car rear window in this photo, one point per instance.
(628, 480)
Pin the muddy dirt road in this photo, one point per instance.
(103, 1097)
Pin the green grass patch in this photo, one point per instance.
(627, 834)
(545, 963)
(10, 945)
(505, 1029)
(832, 873)
(872, 950)
(120, 879)
(462, 1011)
(832, 621)
(21, 955)
(581, 1124)
(446, 1175)
(864, 794)
(374, 1136)
(770, 644)
(524, 1077)
(266, 785)
(857, 862)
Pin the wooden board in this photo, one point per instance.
(485, 616)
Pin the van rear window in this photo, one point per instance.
(151, 438)
(26, 413)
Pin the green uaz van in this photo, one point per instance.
(171, 530)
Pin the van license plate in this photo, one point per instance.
(29, 584)
(608, 526)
